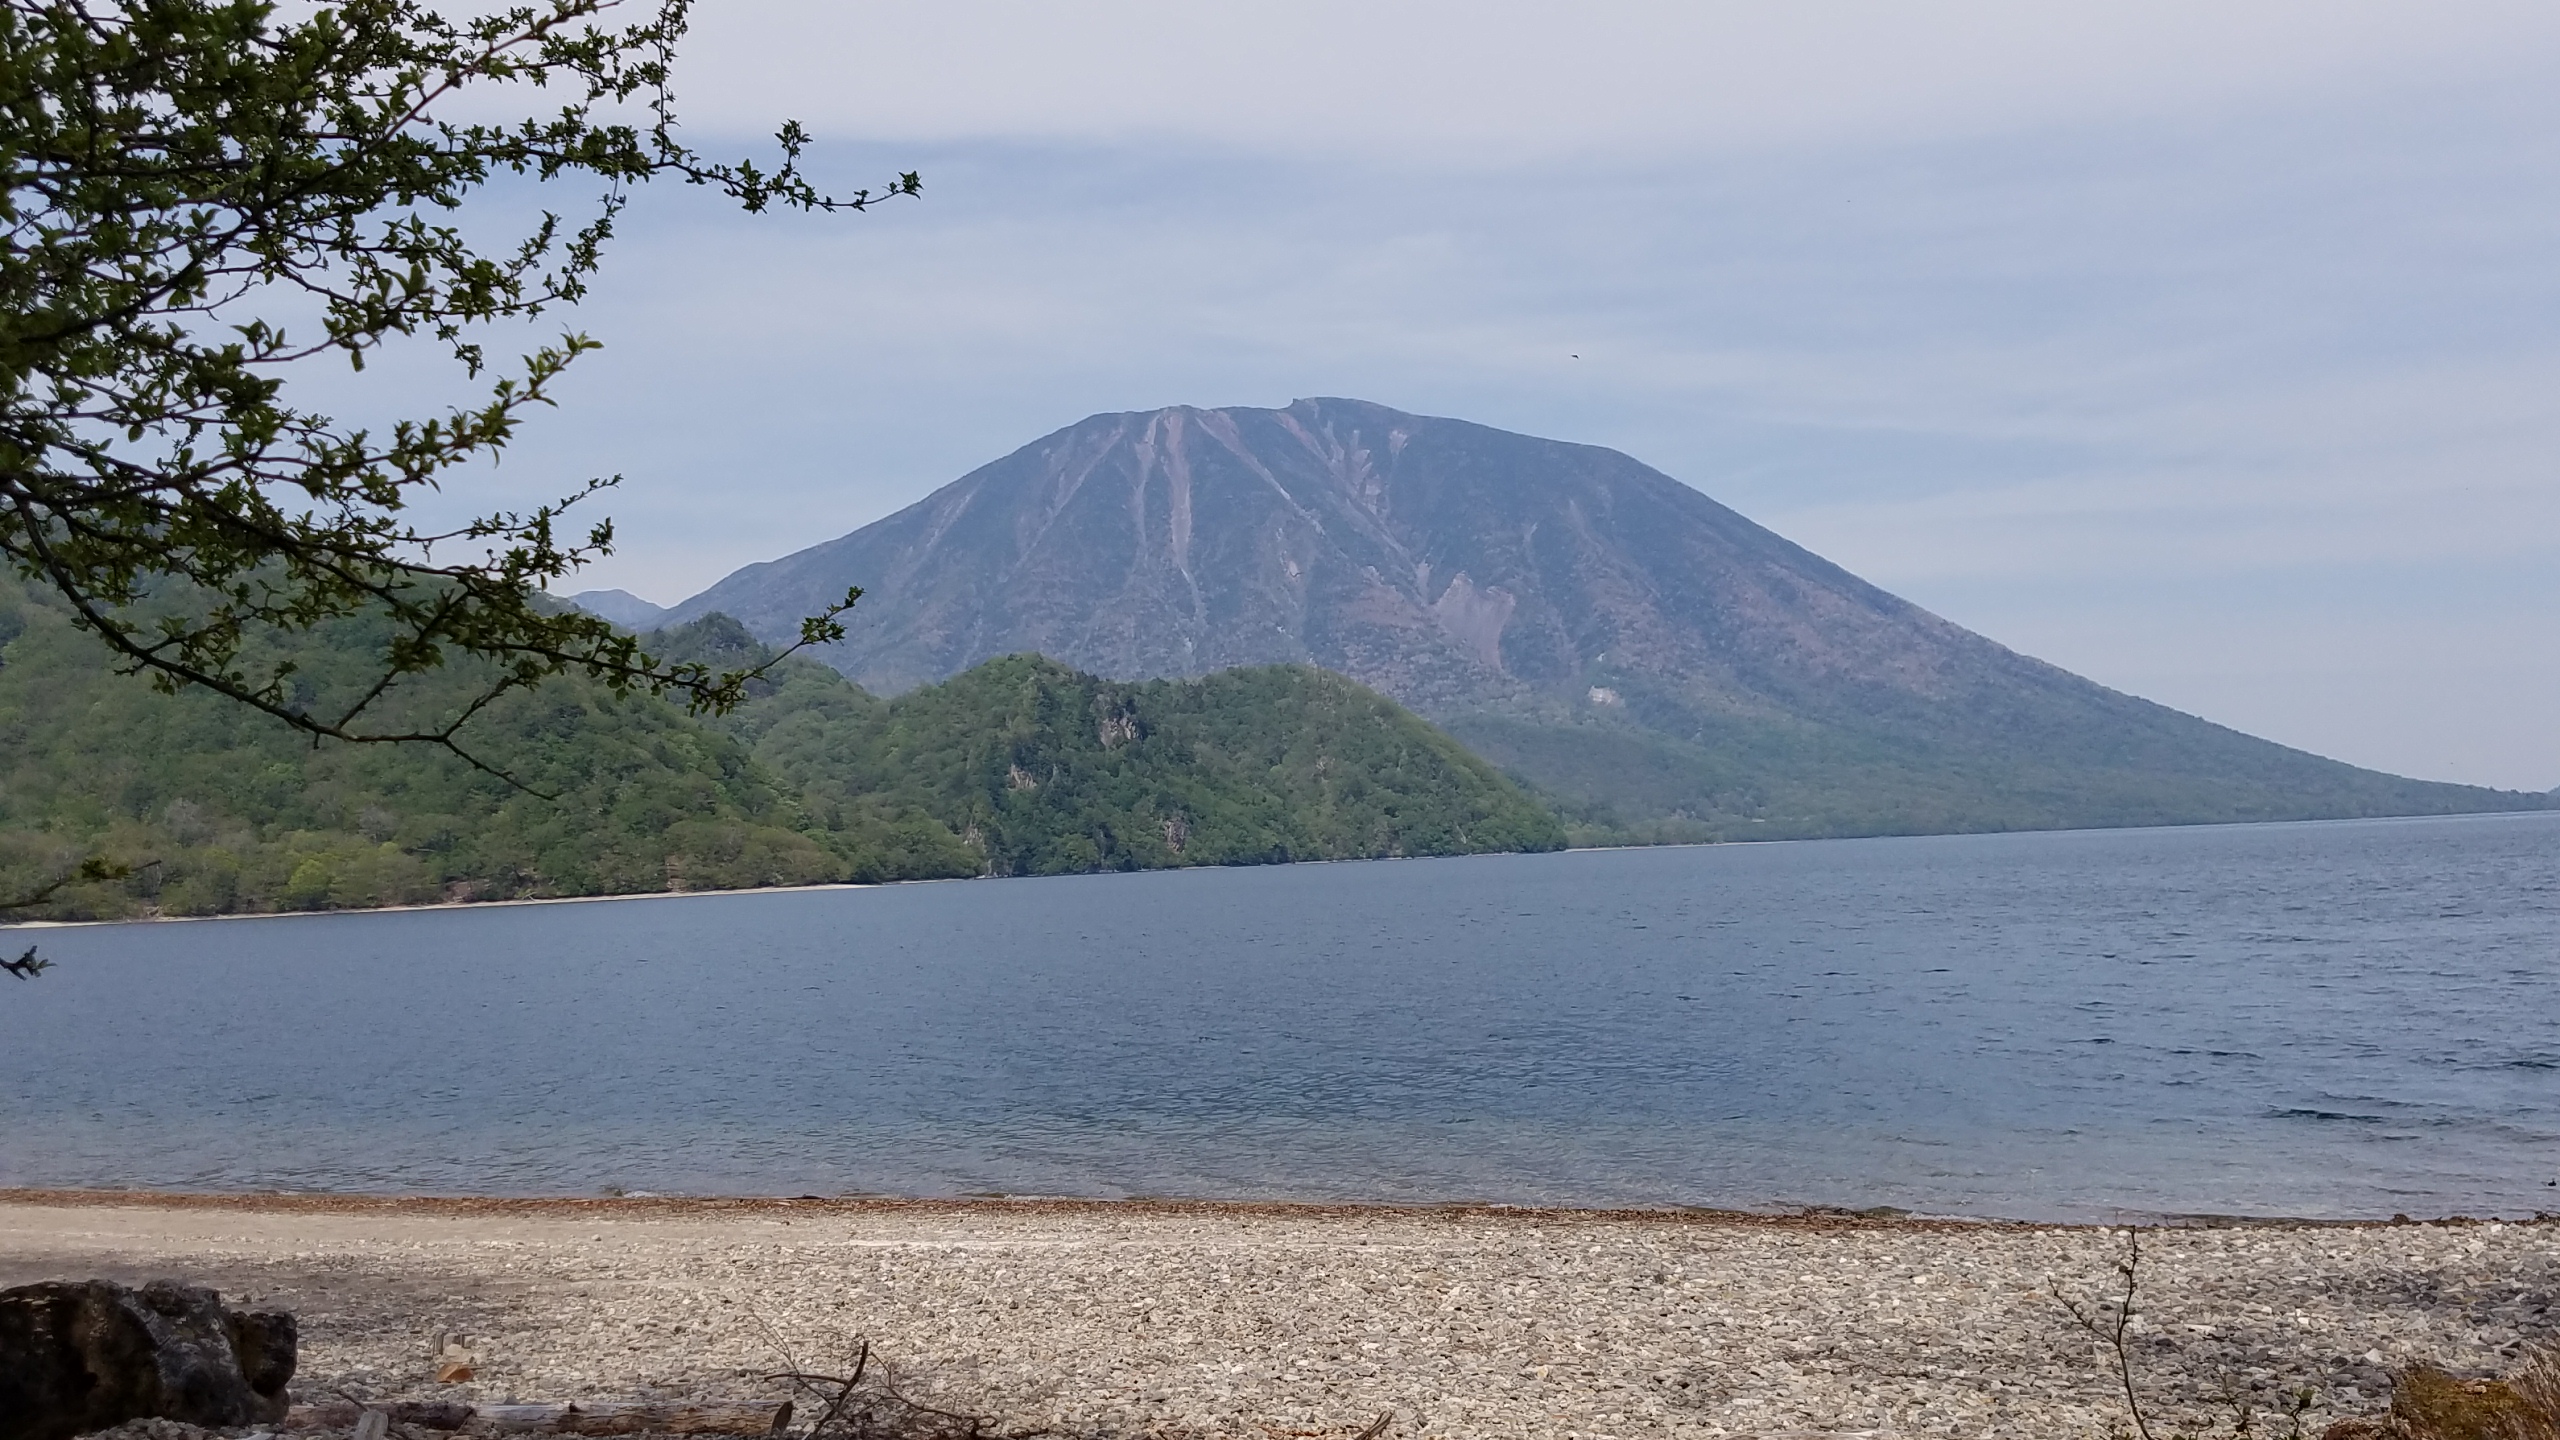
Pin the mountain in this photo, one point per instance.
(621, 607)
(1020, 766)
(1661, 666)
(1041, 770)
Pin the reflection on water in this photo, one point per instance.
(2334, 1019)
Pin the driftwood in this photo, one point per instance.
(603, 1417)
(864, 1403)
(874, 1409)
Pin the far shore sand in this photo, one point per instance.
(522, 900)
(511, 902)
(1269, 1321)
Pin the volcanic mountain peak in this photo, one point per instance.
(1604, 629)
(1444, 562)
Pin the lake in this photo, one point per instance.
(2336, 1019)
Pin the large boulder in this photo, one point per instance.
(77, 1356)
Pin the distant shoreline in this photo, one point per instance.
(9, 925)
(464, 905)
(740, 890)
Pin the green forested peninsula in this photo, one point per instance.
(1018, 767)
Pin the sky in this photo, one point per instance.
(2211, 351)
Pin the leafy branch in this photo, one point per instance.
(180, 176)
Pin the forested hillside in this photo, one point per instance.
(1019, 767)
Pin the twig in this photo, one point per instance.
(2113, 1335)
(844, 1387)
(865, 1403)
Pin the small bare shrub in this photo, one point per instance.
(2110, 1323)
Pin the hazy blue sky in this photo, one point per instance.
(2209, 350)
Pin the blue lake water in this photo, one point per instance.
(2346, 1019)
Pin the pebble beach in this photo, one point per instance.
(1264, 1321)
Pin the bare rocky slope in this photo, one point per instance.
(1656, 663)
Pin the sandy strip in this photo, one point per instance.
(1272, 1321)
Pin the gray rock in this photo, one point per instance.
(77, 1356)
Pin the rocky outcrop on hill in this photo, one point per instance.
(78, 1356)
(1613, 635)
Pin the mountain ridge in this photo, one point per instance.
(621, 607)
(1548, 603)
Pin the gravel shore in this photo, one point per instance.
(1276, 1321)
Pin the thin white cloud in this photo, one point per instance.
(1490, 83)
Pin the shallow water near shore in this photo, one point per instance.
(2340, 1019)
